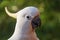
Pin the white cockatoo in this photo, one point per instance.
(27, 20)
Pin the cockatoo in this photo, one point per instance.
(27, 20)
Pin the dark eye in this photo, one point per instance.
(28, 17)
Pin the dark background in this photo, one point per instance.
(49, 14)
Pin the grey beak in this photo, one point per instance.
(36, 22)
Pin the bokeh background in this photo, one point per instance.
(49, 14)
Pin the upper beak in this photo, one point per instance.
(36, 22)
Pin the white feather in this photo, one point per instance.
(23, 28)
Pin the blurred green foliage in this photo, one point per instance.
(50, 18)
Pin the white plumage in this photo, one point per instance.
(23, 28)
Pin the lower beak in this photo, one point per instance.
(36, 22)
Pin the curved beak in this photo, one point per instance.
(36, 22)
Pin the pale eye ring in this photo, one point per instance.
(28, 17)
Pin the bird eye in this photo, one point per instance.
(28, 17)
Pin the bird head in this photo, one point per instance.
(28, 14)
